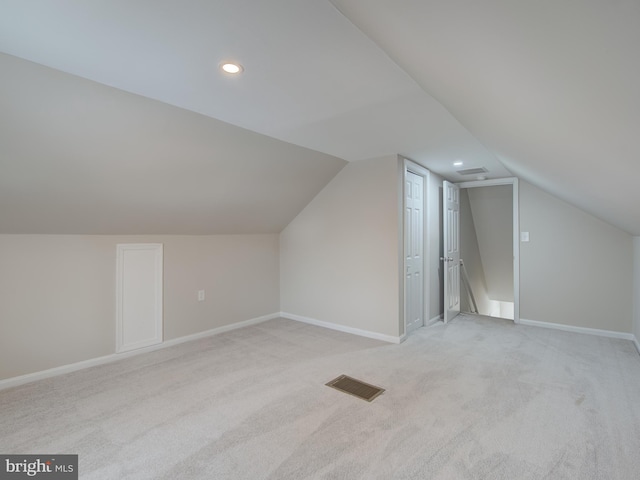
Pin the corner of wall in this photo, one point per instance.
(338, 259)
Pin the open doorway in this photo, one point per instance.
(489, 248)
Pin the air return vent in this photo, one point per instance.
(473, 171)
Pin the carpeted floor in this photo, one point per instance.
(478, 398)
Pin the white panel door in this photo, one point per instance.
(414, 251)
(138, 296)
(451, 240)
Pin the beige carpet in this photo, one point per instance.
(476, 399)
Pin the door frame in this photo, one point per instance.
(406, 165)
(513, 181)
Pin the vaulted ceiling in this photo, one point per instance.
(115, 117)
(80, 157)
(549, 87)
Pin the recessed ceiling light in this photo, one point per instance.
(458, 163)
(481, 177)
(232, 68)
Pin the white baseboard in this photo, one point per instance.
(570, 328)
(433, 321)
(219, 330)
(342, 328)
(73, 367)
(637, 344)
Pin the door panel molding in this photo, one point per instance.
(407, 166)
(414, 250)
(451, 256)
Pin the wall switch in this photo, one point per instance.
(524, 236)
(200, 295)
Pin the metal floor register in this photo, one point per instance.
(354, 387)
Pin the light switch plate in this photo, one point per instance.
(200, 295)
(524, 236)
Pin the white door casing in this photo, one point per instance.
(451, 258)
(516, 232)
(414, 250)
(139, 284)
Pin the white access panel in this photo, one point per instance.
(139, 285)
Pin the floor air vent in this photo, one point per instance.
(355, 387)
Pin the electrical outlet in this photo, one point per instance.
(200, 295)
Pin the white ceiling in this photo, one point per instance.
(545, 90)
(80, 157)
(550, 87)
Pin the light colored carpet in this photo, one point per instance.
(479, 398)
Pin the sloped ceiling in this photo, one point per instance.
(544, 90)
(550, 87)
(311, 79)
(81, 157)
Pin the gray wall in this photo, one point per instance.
(339, 256)
(576, 269)
(57, 292)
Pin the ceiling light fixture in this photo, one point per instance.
(458, 163)
(232, 68)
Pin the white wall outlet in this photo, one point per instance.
(524, 236)
(201, 295)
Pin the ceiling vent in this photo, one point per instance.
(473, 171)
